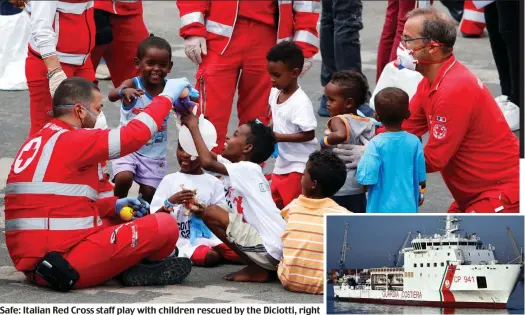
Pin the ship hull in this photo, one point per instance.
(458, 287)
(426, 303)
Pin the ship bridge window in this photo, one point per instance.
(436, 244)
(428, 264)
(446, 244)
(442, 264)
(421, 265)
(463, 243)
(435, 264)
(482, 282)
(429, 244)
(415, 265)
(448, 254)
(423, 246)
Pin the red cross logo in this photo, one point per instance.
(27, 155)
(439, 131)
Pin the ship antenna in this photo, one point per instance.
(343, 250)
(519, 258)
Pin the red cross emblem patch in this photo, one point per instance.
(439, 131)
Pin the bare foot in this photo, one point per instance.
(250, 273)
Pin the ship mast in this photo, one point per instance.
(519, 258)
(451, 225)
(343, 251)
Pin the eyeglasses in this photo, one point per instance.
(406, 40)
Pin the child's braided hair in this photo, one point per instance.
(355, 85)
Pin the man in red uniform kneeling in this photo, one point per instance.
(469, 141)
(52, 203)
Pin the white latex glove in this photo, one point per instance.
(306, 66)
(55, 81)
(194, 46)
(350, 154)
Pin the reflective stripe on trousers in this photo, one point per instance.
(52, 224)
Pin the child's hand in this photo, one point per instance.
(197, 210)
(190, 120)
(182, 197)
(130, 94)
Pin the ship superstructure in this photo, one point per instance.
(445, 269)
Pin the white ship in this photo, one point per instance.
(443, 270)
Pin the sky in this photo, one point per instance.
(373, 237)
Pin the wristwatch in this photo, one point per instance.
(53, 72)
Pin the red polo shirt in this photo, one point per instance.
(469, 142)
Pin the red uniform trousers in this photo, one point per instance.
(507, 203)
(395, 19)
(218, 75)
(199, 255)
(128, 32)
(98, 259)
(40, 101)
(285, 188)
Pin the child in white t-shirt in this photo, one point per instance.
(293, 119)
(177, 190)
(253, 225)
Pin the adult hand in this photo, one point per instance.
(194, 46)
(174, 88)
(306, 66)
(350, 154)
(55, 81)
(139, 209)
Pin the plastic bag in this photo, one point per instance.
(405, 79)
(15, 30)
(511, 112)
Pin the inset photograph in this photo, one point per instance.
(432, 264)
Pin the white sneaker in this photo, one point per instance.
(102, 72)
(510, 110)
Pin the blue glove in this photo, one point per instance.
(174, 88)
(198, 229)
(139, 209)
(275, 153)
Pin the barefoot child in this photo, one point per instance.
(177, 189)
(147, 166)
(302, 265)
(293, 123)
(393, 165)
(344, 93)
(254, 225)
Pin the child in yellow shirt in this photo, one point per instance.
(302, 267)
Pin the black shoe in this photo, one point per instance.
(171, 270)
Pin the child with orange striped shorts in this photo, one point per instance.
(302, 267)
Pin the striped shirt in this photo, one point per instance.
(302, 266)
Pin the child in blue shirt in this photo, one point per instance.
(393, 165)
(147, 166)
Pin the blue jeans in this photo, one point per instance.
(341, 21)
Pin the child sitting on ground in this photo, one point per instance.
(254, 225)
(393, 165)
(177, 190)
(147, 166)
(344, 93)
(293, 123)
(301, 269)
